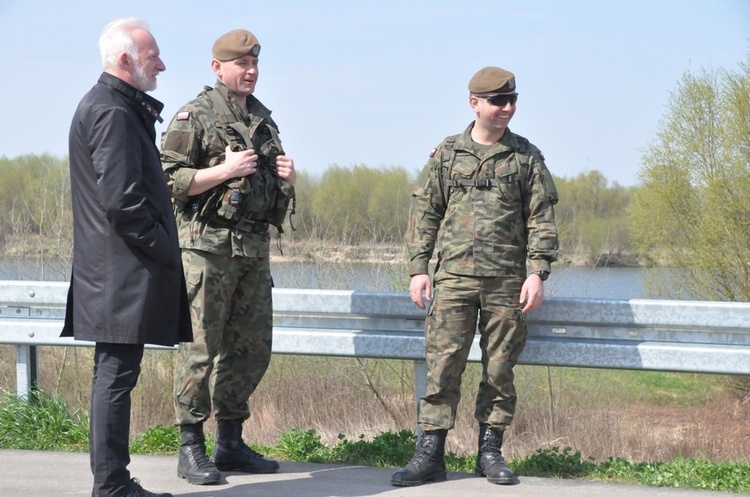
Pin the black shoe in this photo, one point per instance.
(428, 463)
(231, 453)
(193, 464)
(136, 490)
(490, 460)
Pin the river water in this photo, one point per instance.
(611, 283)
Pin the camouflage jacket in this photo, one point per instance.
(493, 215)
(195, 140)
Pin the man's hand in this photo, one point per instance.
(240, 164)
(420, 283)
(285, 169)
(235, 165)
(532, 292)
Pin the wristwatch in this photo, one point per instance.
(543, 275)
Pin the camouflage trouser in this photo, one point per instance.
(450, 328)
(231, 311)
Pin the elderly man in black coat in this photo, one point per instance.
(127, 287)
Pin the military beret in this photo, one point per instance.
(492, 81)
(235, 44)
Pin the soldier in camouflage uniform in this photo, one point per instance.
(489, 196)
(230, 180)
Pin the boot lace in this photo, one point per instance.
(422, 455)
(199, 458)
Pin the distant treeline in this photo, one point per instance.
(358, 205)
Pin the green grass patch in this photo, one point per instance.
(671, 389)
(553, 463)
(678, 473)
(41, 423)
(158, 439)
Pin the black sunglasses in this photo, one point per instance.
(503, 100)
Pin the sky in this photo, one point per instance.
(382, 82)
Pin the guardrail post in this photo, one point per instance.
(420, 387)
(26, 370)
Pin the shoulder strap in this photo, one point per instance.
(221, 108)
(236, 132)
(523, 158)
(447, 158)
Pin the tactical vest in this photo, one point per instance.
(252, 202)
(448, 157)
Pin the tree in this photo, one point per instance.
(591, 218)
(693, 208)
(362, 204)
(304, 221)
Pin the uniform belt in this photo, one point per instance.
(255, 227)
(245, 225)
(478, 183)
(481, 182)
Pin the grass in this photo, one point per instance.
(41, 423)
(44, 423)
(595, 389)
(678, 473)
(643, 416)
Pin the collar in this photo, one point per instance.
(147, 104)
(506, 142)
(254, 107)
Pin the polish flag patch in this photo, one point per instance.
(183, 116)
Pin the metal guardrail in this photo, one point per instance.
(659, 335)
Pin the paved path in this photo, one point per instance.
(62, 474)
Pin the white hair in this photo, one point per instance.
(117, 38)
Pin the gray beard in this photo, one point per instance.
(143, 81)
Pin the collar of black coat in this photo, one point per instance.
(146, 103)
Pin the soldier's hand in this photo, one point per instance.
(285, 169)
(239, 164)
(532, 293)
(420, 283)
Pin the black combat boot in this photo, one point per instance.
(428, 464)
(490, 461)
(231, 453)
(194, 465)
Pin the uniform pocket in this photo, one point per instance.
(193, 279)
(508, 181)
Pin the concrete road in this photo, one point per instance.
(57, 474)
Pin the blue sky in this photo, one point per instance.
(382, 82)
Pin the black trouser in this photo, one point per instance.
(116, 370)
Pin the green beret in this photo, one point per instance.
(493, 81)
(235, 44)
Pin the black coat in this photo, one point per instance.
(127, 284)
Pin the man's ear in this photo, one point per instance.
(216, 66)
(473, 102)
